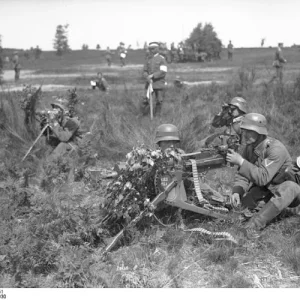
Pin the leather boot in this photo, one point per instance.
(260, 220)
(264, 216)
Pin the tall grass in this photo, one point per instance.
(50, 237)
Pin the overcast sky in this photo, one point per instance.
(26, 23)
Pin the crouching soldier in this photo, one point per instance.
(100, 83)
(63, 133)
(231, 116)
(259, 178)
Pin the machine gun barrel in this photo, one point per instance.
(205, 159)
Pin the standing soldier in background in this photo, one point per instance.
(108, 56)
(122, 54)
(16, 65)
(230, 50)
(155, 70)
(278, 64)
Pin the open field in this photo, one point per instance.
(49, 235)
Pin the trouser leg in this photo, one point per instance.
(60, 150)
(279, 74)
(284, 195)
(159, 99)
(17, 74)
(255, 194)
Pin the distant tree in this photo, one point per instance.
(98, 47)
(205, 39)
(145, 46)
(61, 42)
(84, 47)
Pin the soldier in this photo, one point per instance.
(278, 64)
(122, 54)
(155, 70)
(167, 136)
(16, 65)
(100, 83)
(259, 176)
(230, 50)
(64, 132)
(108, 56)
(231, 116)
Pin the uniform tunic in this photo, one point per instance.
(157, 66)
(258, 174)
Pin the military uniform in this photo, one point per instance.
(102, 84)
(278, 64)
(122, 54)
(64, 133)
(259, 173)
(230, 50)
(65, 136)
(157, 66)
(16, 66)
(108, 57)
(232, 123)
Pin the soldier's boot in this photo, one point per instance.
(261, 219)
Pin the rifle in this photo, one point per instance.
(36, 140)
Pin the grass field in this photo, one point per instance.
(49, 235)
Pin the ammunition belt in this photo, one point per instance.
(219, 235)
(221, 209)
(197, 182)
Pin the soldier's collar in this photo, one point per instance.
(262, 146)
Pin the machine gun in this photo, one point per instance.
(170, 185)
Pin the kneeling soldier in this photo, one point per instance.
(260, 169)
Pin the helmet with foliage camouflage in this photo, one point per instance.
(240, 103)
(255, 122)
(166, 132)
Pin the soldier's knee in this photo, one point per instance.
(287, 192)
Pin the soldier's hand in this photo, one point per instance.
(234, 157)
(149, 78)
(235, 200)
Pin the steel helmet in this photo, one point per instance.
(59, 105)
(240, 103)
(166, 132)
(255, 122)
